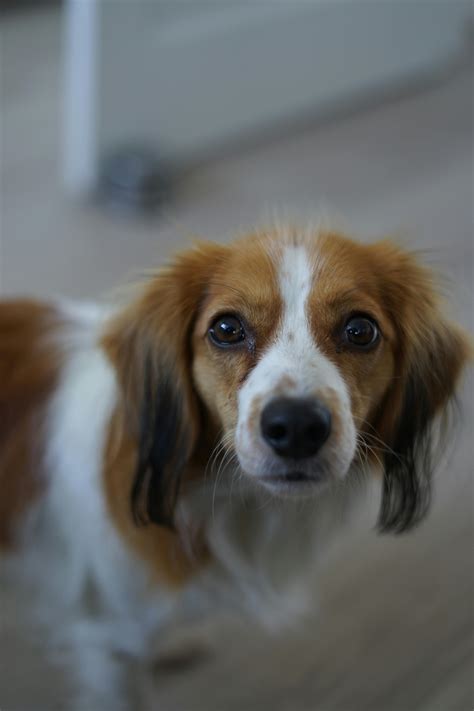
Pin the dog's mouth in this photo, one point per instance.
(290, 477)
(292, 481)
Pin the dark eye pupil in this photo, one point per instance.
(227, 330)
(361, 331)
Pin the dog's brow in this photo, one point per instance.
(350, 298)
(215, 288)
(346, 294)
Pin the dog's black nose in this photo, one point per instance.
(295, 428)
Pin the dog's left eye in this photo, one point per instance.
(227, 330)
(361, 331)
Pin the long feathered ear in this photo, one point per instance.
(149, 345)
(430, 357)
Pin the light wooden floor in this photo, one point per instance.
(394, 630)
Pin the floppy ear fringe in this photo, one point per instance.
(160, 415)
(409, 463)
(163, 450)
(406, 493)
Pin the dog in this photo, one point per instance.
(295, 361)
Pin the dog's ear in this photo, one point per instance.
(149, 343)
(431, 354)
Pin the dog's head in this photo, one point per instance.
(304, 352)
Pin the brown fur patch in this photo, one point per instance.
(285, 384)
(253, 421)
(29, 367)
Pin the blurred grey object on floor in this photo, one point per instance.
(395, 626)
(136, 178)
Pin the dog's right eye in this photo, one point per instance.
(361, 331)
(227, 330)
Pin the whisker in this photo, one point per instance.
(227, 458)
(382, 446)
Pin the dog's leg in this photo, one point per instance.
(101, 681)
(100, 672)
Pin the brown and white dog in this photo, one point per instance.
(296, 360)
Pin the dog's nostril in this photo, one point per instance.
(277, 431)
(315, 431)
(295, 428)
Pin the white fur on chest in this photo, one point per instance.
(78, 419)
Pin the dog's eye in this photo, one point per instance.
(227, 330)
(361, 331)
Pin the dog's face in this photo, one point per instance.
(292, 352)
(304, 352)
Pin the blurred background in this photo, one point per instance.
(128, 126)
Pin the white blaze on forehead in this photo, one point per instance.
(295, 280)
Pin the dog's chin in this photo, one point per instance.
(294, 484)
(287, 479)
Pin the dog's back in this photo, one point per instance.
(29, 369)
